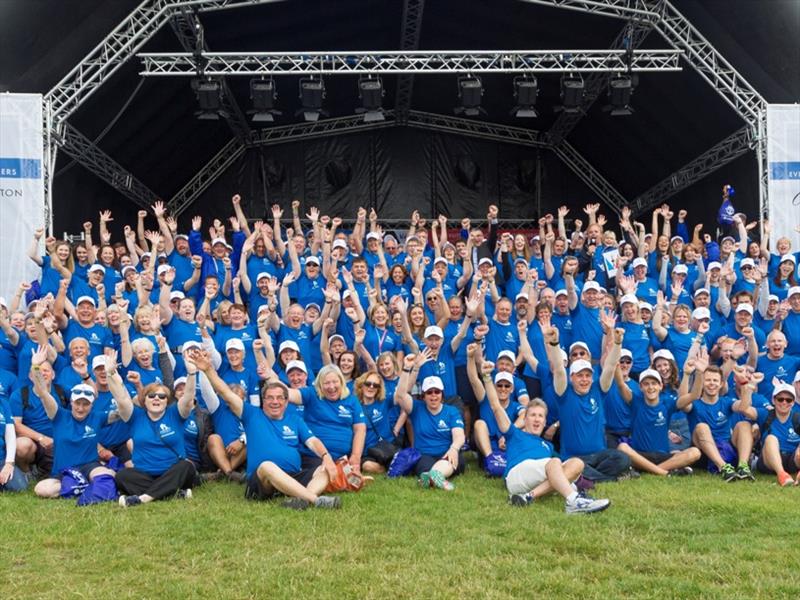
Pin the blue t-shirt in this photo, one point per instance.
(8, 381)
(332, 420)
(379, 421)
(33, 415)
(6, 418)
(586, 328)
(513, 410)
(75, 442)
(157, 445)
(112, 434)
(377, 341)
(99, 337)
(717, 416)
(501, 336)
(651, 422)
(443, 366)
(782, 368)
(433, 433)
(637, 340)
(522, 446)
(8, 353)
(276, 440)
(618, 412)
(582, 421)
(788, 438)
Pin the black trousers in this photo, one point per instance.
(179, 476)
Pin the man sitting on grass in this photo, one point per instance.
(650, 416)
(274, 438)
(709, 419)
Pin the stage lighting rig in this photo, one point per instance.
(370, 92)
(572, 93)
(209, 99)
(470, 91)
(263, 95)
(312, 93)
(620, 90)
(526, 89)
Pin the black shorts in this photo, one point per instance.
(787, 458)
(656, 457)
(427, 461)
(121, 451)
(255, 490)
(85, 469)
(615, 438)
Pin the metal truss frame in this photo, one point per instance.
(409, 40)
(218, 64)
(590, 176)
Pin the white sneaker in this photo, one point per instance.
(586, 505)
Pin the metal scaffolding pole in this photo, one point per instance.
(590, 176)
(731, 148)
(409, 40)
(479, 129)
(216, 64)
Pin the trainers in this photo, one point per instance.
(681, 472)
(212, 476)
(296, 504)
(424, 480)
(126, 501)
(728, 473)
(586, 504)
(744, 472)
(184, 494)
(438, 481)
(235, 477)
(520, 499)
(328, 502)
(785, 479)
(631, 473)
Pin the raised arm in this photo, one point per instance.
(117, 387)
(39, 386)
(611, 362)
(556, 361)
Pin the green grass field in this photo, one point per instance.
(678, 538)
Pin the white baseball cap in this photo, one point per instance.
(177, 294)
(262, 275)
(96, 267)
(649, 373)
(373, 236)
(191, 344)
(521, 296)
(680, 269)
(780, 388)
(503, 376)
(702, 291)
(645, 306)
(774, 298)
(578, 344)
(440, 259)
(639, 262)
(744, 307)
(162, 269)
(312, 259)
(663, 353)
(674, 238)
(339, 243)
(99, 361)
(234, 344)
(88, 299)
(288, 345)
(336, 336)
(714, 265)
(219, 240)
(625, 353)
(747, 262)
(433, 330)
(561, 292)
(788, 258)
(127, 268)
(432, 383)
(82, 390)
(580, 365)
(484, 260)
(629, 298)
(591, 285)
(178, 381)
(701, 313)
(296, 364)
(507, 354)
(795, 289)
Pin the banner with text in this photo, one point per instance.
(783, 157)
(21, 187)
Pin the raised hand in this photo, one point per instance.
(277, 211)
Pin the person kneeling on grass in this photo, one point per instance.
(709, 419)
(533, 469)
(780, 432)
(75, 431)
(161, 469)
(438, 427)
(651, 411)
(275, 434)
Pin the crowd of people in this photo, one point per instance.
(276, 356)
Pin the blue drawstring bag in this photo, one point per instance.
(115, 464)
(72, 483)
(726, 210)
(403, 462)
(34, 293)
(103, 488)
(495, 464)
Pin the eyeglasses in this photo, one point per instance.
(312, 265)
(784, 399)
(579, 353)
(372, 384)
(434, 392)
(503, 385)
(626, 361)
(430, 298)
(159, 395)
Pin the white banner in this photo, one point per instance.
(21, 187)
(783, 157)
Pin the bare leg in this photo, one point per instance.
(640, 462)
(681, 459)
(238, 459)
(571, 470)
(444, 467)
(319, 482)
(216, 450)
(703, 439)
(100, 471)
(771, 454)
(370, 466)
(48, 488)
(271, 475)
(480, 433)
(26, 453)
(742, 439)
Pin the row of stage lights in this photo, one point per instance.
(263, 94)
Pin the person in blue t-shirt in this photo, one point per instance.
(75, 431)
(379, 447)
(274, 463)
(161, 470)
(710, 421)
(12, 479)
(438, 427)
(648, 448)
(780, 432)
(532, 468)
(581, 412)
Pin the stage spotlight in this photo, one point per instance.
(370, 92)
(209, 99)
(312, 93)
(525, 91)
(470, 90)
(572, 92)
(263, 95)
(620, 89)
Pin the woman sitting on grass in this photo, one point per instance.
(438, 427)
(533, 469)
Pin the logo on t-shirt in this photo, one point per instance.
(442, 426)
(593, 406)
(288, 433)
(660, 419)
(721, 418)
(344, 412)
(376, 414)
(88, 432)
(191, 426)
(165, 430)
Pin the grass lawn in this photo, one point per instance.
(677, 538)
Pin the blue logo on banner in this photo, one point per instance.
(20, 168)
(784, 170)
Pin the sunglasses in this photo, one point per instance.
(159, 395)
(430, 298)
(784, 400)
(372, 384)
(579, 353)
(626, 361)
(434, 392)
(312, 265)
(503, 385)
